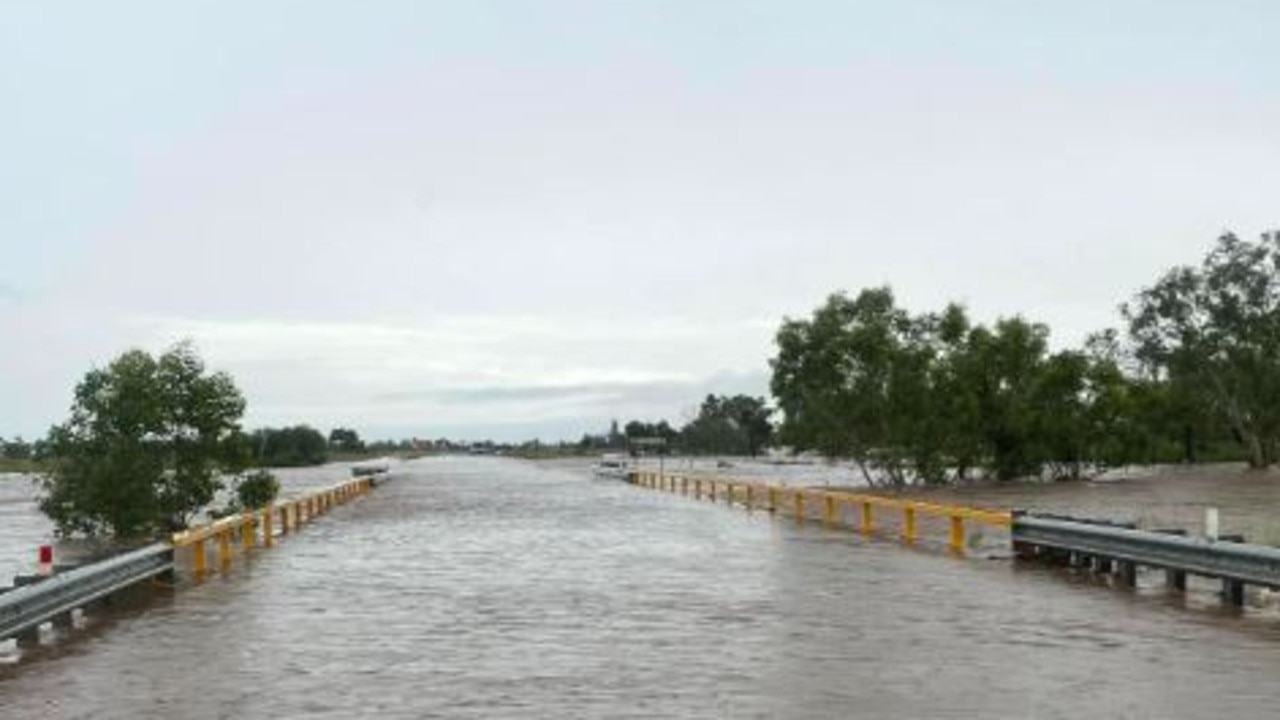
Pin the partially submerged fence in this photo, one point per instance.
(866, 513)
(24, 609)
(1114, 549)
(55, 599)
(1101, 546)
(252, 528)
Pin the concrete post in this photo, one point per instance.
(1211, 523)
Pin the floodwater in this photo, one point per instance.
(482, 587)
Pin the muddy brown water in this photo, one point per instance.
(480, 587)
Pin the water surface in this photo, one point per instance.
(497, 588)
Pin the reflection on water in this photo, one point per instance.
(494, 588)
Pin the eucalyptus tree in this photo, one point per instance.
(1001, 367)
(1213, 332)
(832, 376)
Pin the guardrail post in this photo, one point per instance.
(1233, 592)
(697, 489)
(908, 524)
(28, 638)
(1128, 573)
(1175, 579)
(773, 499)
(828, 510)
(268, 532)
(199, 560)
(224, 548)
(798, 499)
(957, 534)
(711, 490)
(751, 501)
(868, 522)
(248, 533)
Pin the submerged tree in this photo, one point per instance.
(345, 440)
(293, 446)
(144, 446)
(1213, 333)
(930, 397)
(737, 425)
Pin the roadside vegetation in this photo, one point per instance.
(1191, 375)
(145, 446)
(935, 397)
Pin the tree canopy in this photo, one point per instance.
(143, 447)
(1213, 332)
(345, 440)
(293, 446)
(930, 397)
(737, 425)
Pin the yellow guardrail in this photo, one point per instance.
(246, 527)
(774, 498)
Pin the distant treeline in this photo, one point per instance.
(294, 446)
(934, 397)
(725, 425)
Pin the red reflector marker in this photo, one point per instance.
(45, 566)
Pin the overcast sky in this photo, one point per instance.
(512, 219)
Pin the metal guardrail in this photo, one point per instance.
(774, 497)
(1252, 564)
(255, 526)
(26, 608)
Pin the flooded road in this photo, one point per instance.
(498, 588)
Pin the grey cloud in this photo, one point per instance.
(532, 393)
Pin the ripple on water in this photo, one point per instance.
(493, 588)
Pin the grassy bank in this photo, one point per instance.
(9, 465)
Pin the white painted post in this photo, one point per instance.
(1211, 523)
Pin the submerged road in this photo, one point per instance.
(496, 588)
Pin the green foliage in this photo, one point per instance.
(930, 397)
(1213, 333)
(143, 447)
(638, 432)
(737, 425)
(296, 446)
(15, 449)
(345, 440)
(258, 489)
